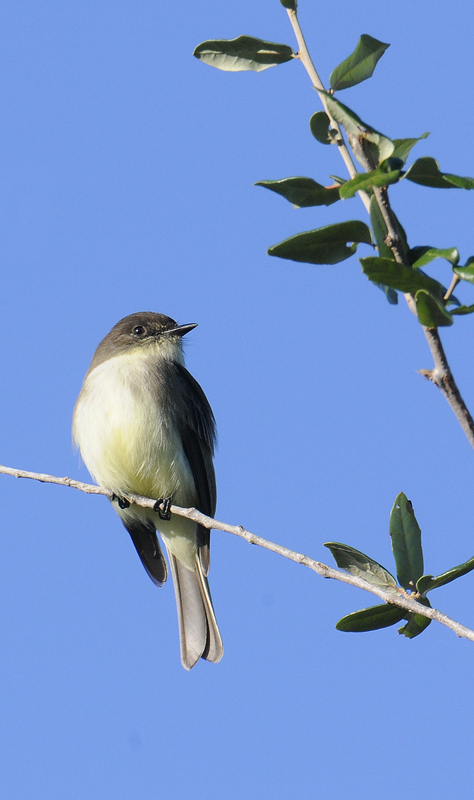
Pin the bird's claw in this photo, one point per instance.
(122, 501)
(162, 507)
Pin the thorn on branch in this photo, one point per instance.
(391, 241)
(427, 373)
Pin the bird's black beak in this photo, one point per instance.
(180, 330)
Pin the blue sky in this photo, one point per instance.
(126, 184)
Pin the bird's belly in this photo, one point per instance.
(126, 442)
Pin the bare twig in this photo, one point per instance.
(452, 287)
(44, 478)
(441, 375)
(305, 59)
(237, 530)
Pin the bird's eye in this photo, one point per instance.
(138, 331)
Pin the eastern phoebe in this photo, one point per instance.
(144, 426)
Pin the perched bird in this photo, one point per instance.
(144, 426)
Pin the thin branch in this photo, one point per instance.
(237, 530)
(456, 279)
(441, 375)
(305, 59)
(393, 238)
(44, 478)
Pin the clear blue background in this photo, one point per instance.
(126, 172)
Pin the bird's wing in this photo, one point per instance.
(197, 429)
(147, 546)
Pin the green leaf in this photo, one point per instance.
(356, 563)
(426, 172)
(359, 65)
(467, 271)
(390, 294)
(366, 180)
(421, 256)
(338, 180)
(371, 619)
(291, 4)
(431, 311)
(406, 542)
(354, 126)
(319, 127)
(414, 253)
(416, 622)
(391, 164)
(452, 301)
(404, 146)
(459, 182)
(399, 276)
(326, 245)
(462, 310)
(303, 192)
(242, 53)
(427, 582)
(380, 229)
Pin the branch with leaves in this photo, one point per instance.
(396, 267)
(404, 601)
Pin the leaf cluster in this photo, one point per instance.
(332, 244)
(393, 269)
(405, 534)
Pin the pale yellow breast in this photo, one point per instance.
(126, 442)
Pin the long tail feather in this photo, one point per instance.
(198, 631)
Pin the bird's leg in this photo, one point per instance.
(123, 503)
(163, 506)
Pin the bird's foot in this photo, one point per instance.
(163, 506)
(122, 501)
